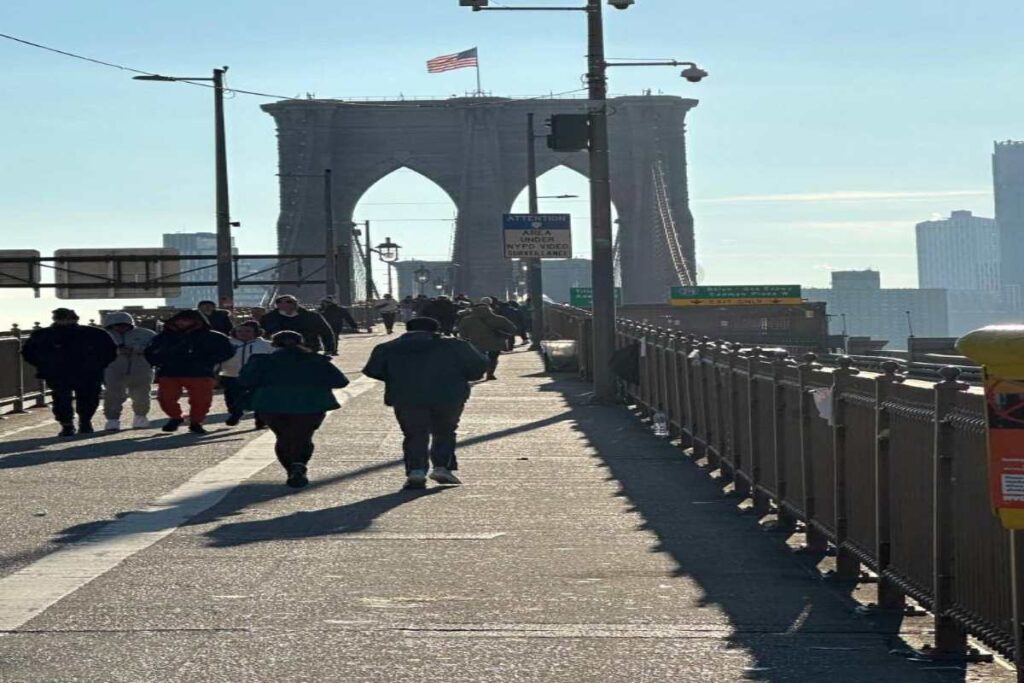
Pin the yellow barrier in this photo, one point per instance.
(1000, 349)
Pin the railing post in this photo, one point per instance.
(691, 419)
(738, 419)
(41, 396)
(890, 597)
(847, 564)
(815, 541)
(762, 506)
(19, 375)
(950, 638)
(676, 417)
(778, 432)
(708, 354)
(723, 425)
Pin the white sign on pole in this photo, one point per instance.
(18, 273)
(538, 235)
(100, 274)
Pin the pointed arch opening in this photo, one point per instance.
(414, 212)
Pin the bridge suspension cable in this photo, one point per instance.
(683, 271)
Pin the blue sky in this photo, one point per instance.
(825, 131)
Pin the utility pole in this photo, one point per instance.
(368, 267)
(330, 242)
(535, 273)
(603, 265)
(225, 260)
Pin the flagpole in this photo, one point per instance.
(479, 90)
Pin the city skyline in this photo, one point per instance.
(785, 159)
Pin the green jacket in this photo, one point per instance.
(485, 329)
(423, 369)
(292, 381)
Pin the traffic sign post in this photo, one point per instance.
(736, 295)
(537, 235)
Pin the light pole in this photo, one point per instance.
(387, 252)
(422, 275)
(225, 261)
(602, 248)
(534, 266)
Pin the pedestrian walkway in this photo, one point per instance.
(581, 548)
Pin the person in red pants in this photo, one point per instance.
(186, 355)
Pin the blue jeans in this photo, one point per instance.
(429, 435)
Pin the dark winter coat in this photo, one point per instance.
(292, 381)
(315, 331)
(337, 317)
(220, 321)
(195, 353)
(443, 311)
(485, 329)
(69, 354)
(513, 313)
(425, 369)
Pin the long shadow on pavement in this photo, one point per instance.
(795, 626)
(342, 519)
(30, 452)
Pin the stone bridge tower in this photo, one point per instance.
(475, 149)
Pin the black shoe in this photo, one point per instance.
(197, 428)
(67, 430)
(233, 420)
(85, 427)
(491, 377)
(172, 424)
(297, 475)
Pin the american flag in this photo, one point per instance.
(459, 60)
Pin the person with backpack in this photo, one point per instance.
(487, 331)
(130, 376)
(292, 390)
(248, 343)
(426, 381)
(186, 355)
(71, 359)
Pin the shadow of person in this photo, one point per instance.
(343, 519)
(94, 449)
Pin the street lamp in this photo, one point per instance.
(422, 276)
(602, 251)
(225, 272)
(387, 251)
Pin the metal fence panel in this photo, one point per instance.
(860, 467)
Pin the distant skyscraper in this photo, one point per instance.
(1008, 184)
(960, 252)
(205, 244)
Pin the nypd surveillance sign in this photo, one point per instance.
(537, 235)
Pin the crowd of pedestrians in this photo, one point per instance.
(279, 367)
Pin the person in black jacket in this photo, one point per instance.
(337, 316)
(219, 319)
(444, 312)
(426, 380)
(71, 358)
(186, 355)
(316, 333)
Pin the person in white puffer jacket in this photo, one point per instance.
(130, 375)
(248, 342)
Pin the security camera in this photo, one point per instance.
(621, 4)
(694, 74)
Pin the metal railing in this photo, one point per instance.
(19, 387)
(895, 479)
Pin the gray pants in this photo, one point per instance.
(120, 387)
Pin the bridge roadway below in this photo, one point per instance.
(581, 548)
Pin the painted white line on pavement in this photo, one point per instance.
(19, 430)
(26, 594)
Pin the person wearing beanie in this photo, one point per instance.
(292, 390)
(71, 359)
(289, 315)
(248, 342)
(487, 331)
(186, 355)
(130, 376)
(426, 381)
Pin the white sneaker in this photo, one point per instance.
(443, 475)
(112, 426)
(417, 479)
(140, 422)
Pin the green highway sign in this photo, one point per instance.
(583, 297)
(736, 295)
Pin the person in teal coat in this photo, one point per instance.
(292, 392)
